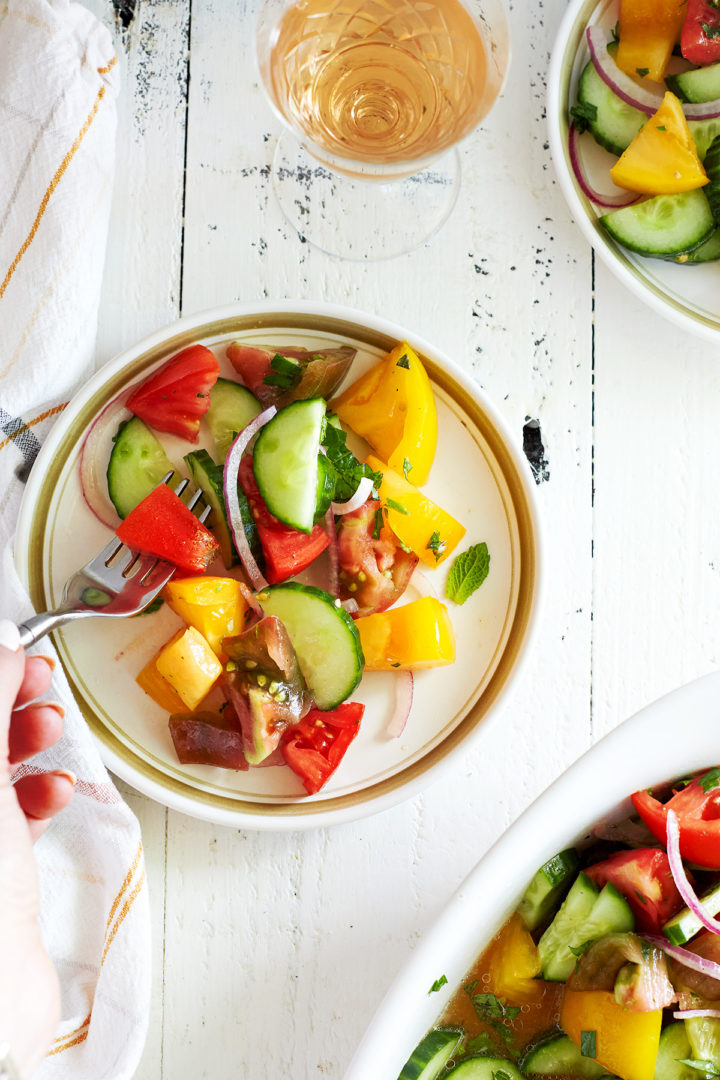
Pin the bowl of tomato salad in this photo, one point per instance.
(586, 942)
(354, 611)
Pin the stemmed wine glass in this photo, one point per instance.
(374, 96)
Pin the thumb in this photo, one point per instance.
(12, 667)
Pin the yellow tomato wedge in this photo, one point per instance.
(159, 689)
(421, 524)
(662, 158)
(215, 606)
(513, 962)
(416, 635)
(393, 407)
(626, 1043)
(190, 666)
(648, 32)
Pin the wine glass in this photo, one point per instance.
(374, 96)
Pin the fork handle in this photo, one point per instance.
(39, 625)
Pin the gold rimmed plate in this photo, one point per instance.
(479, 476)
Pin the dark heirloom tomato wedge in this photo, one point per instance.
(209, 738)
(287, 551)
(375, 571)
(177, 395)
(691, 984)
(634, 970)
(315, 747)
(698, 809)
(644, 879)
(264, 684)
(318, 372)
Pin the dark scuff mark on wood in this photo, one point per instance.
(124, 11)
(535, 451)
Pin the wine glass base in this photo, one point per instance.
(362, 220)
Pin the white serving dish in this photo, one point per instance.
(676, 735)
(689, 296)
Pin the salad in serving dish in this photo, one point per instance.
(292, 593)
(645, 127)
(610, 963)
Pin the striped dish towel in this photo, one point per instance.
(57, 118)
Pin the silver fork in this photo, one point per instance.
(118, 582)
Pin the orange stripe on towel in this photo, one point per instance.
(64, 1042)
(31, 423)
(123, 887)
(123, 912)
(104, 70)
(51, 188)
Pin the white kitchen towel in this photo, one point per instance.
(57, 118)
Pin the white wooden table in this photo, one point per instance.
(271, 951)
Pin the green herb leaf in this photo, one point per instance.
(284, 372)
(407, 466)
(710, 31)
(616, 32)
(500, 1074)
(482, 1043)
(488, 1006)
(641, 898)
(467, 573)
(437, 984)
(588, 1043)
(661, 127)
(403, 362)
(642, 72)
(154, 605)
(705, 1067)
(348, 470)
(436, 545)
(710, 780)
(396, 506)
(378, 523)
(584, 114)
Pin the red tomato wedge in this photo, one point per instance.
(697, 44)
(287, 551)
(177, 395)
(315, 747)
(162, 525)
(698, 809)
(644, 879)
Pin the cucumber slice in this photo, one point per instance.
(703, 133)
(430, 1057)
(232, 407)
(325, 488)
(285, 462)
(686, 925)
(664, 226)
(673, 1049)
(707, 252)
(549, 884)
(137, 465)
(584, 916)
(559, 1056)
(325, 638)
(485, 1068)
(703, 1033)
(712, 168)
(208, 476)
(702, 84)
(616, 124)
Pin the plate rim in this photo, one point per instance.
(399, 787)
(559, 73)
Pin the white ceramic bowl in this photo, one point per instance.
(688, 296)
(480, 475)
(674, 736)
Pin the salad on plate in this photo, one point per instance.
(645, 126)
(298, 584)
(609, 965)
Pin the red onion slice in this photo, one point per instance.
(250, 600)
(685, 957)
(232, 503)
(639, 97)
(361, 496)
(690, 1014)
(333, 554)
(351, 605)
(404, 685)
(611, 201)
(678, 872)
(94, 485)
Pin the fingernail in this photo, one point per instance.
(9, 635)
(68, 775)
(54, 705)
(48, 660)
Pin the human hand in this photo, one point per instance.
(29, 989)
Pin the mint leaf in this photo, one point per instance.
(710, 780)
(436, 545)
(467, 573)
(584, 114)
(588, 1043)
(403, 362)
(407, 466)
(437, 984)
(394, 505)
(348, 470)
(284, 372)
(705, 1067)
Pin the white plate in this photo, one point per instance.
(478, 476)
(687, 295)
(675, 736)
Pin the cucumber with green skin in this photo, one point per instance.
(429, 1058)
(485, 1068)
(664, 226)
(685, 924)
(285, 462)
(712, 168)
(232, 407)
(615, 123)
(673, 1050)
(707, 252)
(585, 915)
(703, 1034)
(559, 1056)
(547, 887)
(699, 85)
(137, 464)
(208, 476)
(325, 638)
